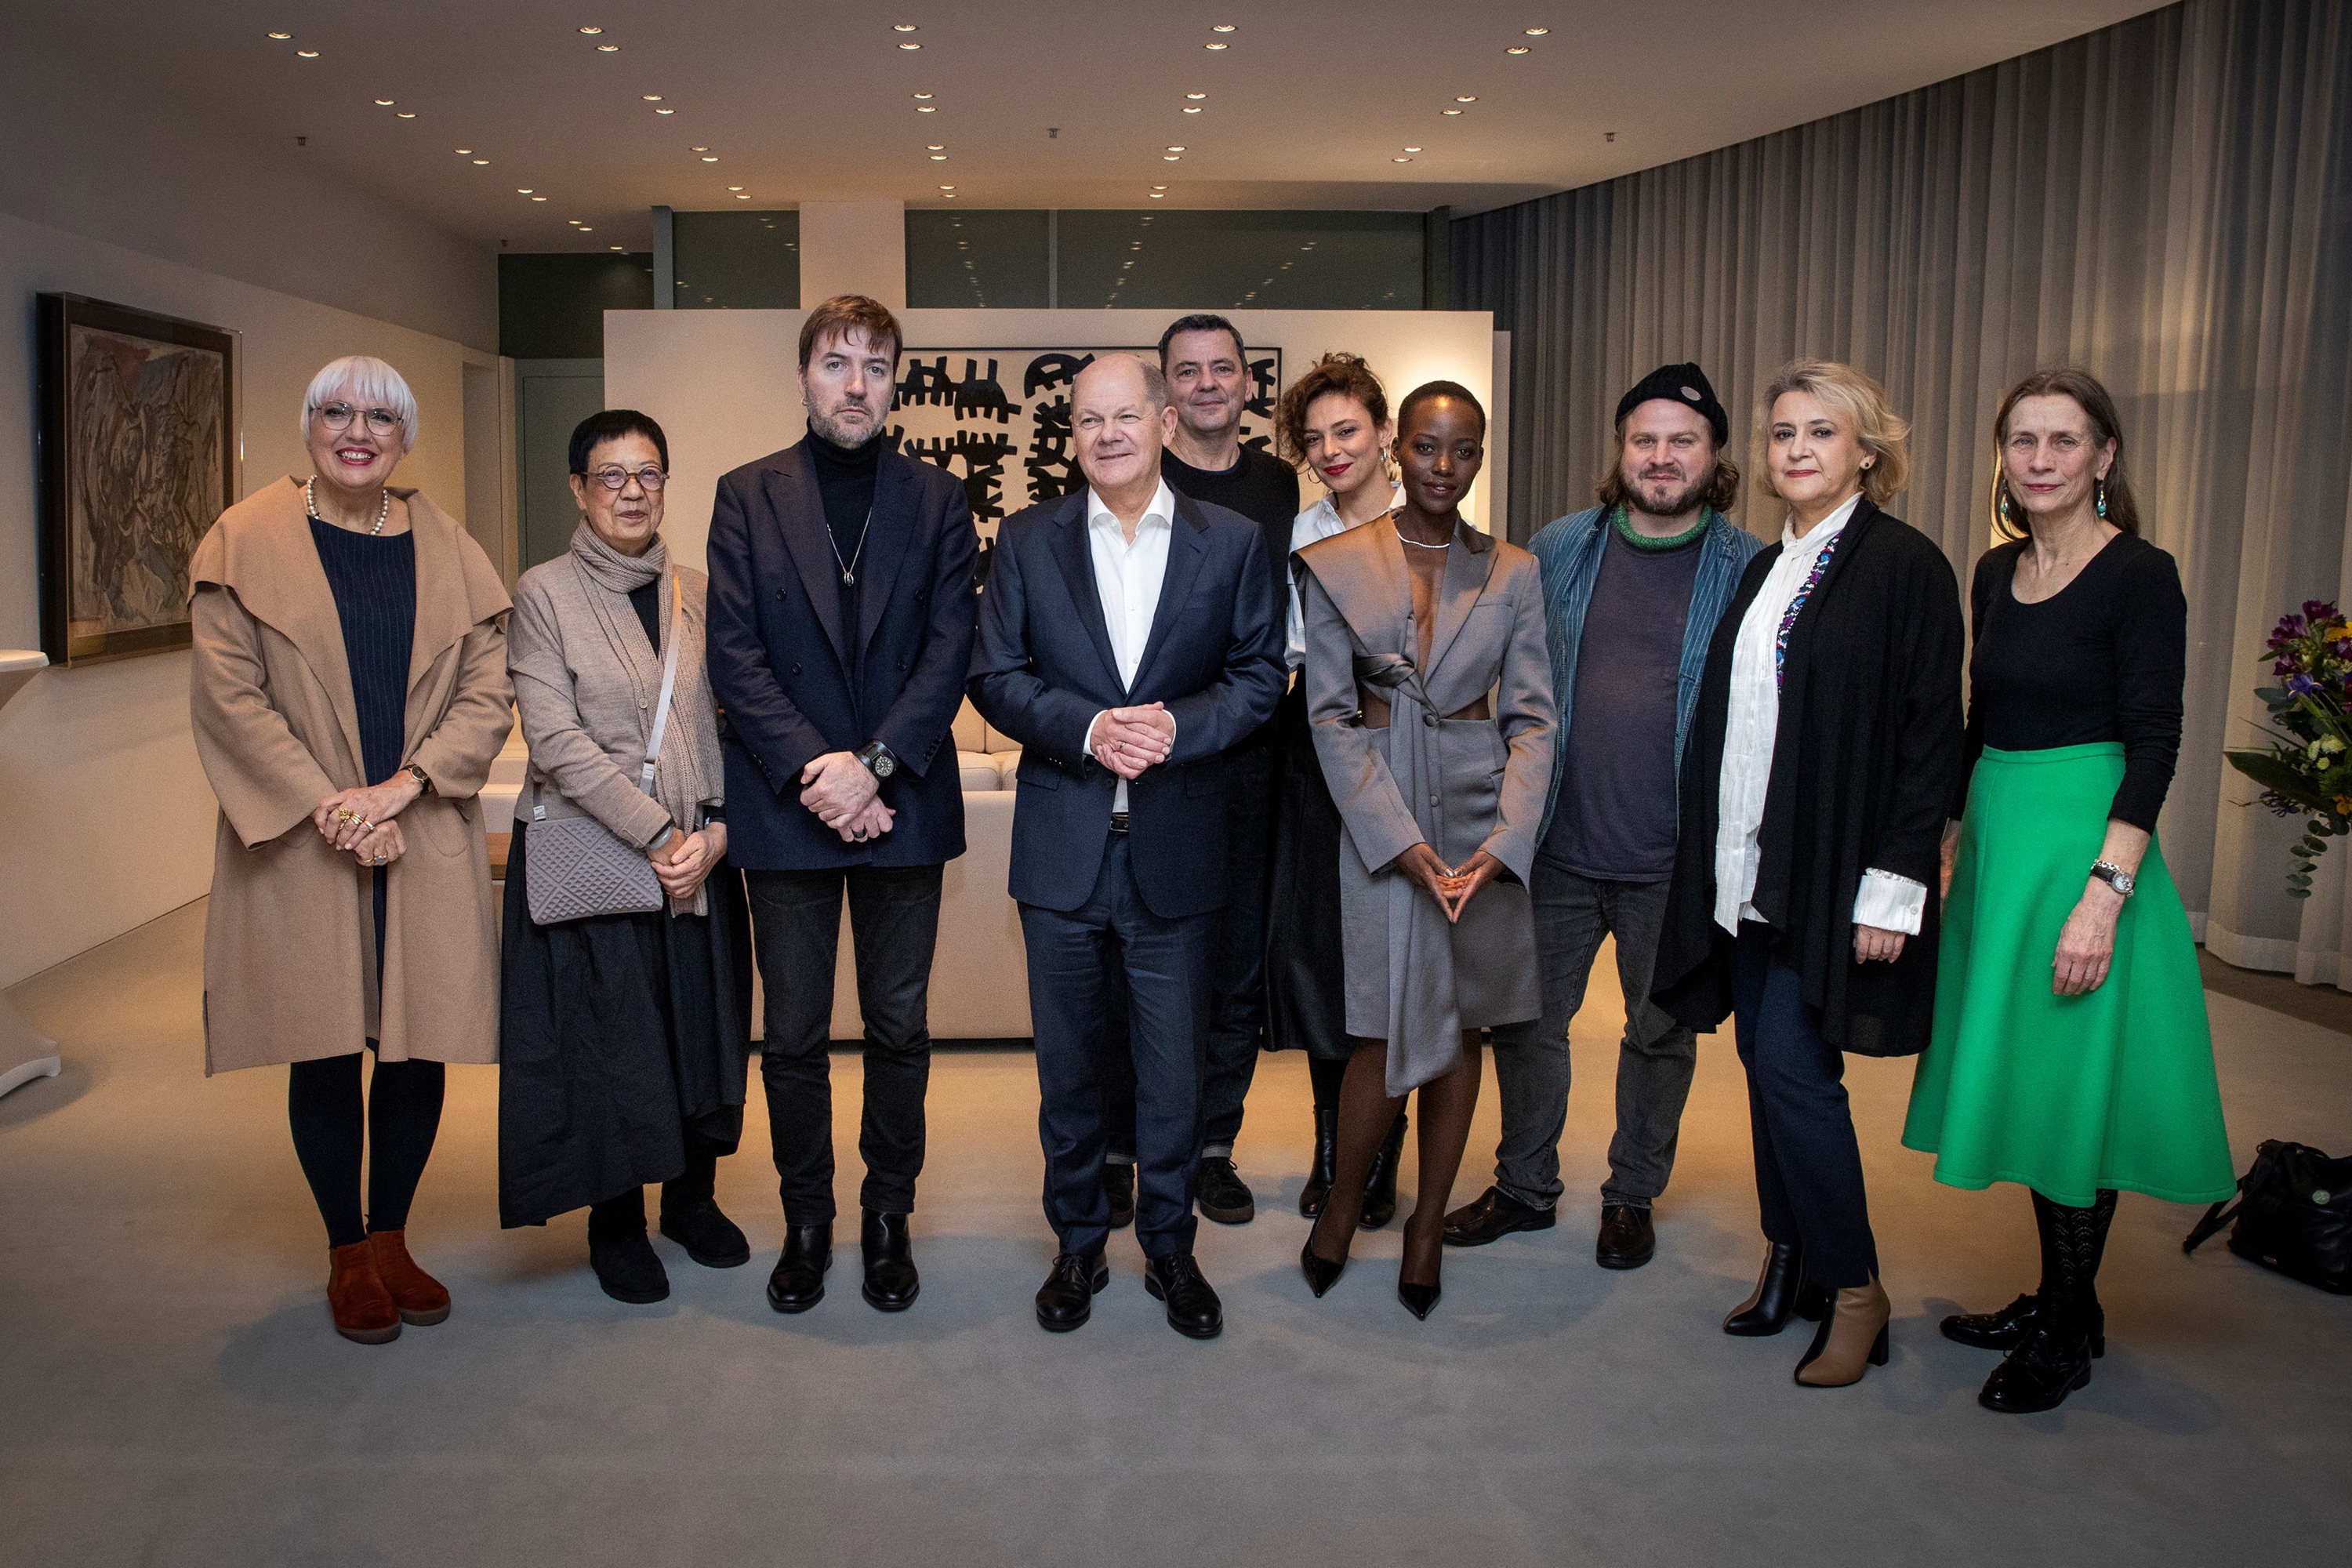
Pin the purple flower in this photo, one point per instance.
(2318, 609)
(2302, 685)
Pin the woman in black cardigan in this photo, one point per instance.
(1826, 746)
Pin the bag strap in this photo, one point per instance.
(2216, 1219)
(670, 683)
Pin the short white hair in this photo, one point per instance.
(365, 381)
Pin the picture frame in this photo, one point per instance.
(138, 449)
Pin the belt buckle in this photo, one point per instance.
(1118, 822)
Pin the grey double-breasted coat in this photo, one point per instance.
(1458, 784)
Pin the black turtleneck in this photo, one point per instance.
(844, 478)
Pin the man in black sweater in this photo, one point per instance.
(1208, 381)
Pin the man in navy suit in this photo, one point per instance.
(842, 604)
(1126, 641)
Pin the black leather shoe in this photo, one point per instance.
(2038, 1375)
(798, 1282)
(1067, 1299)
(1325, 1166)
(710, 1238)
(1627, 1239)
(891, 1283)
(1419, 1300)
(1380, 1183)
(1193, 1310)
(1119, 1186)
(1492, 1215)
(1782, 1291)
(628, 1268)
(1320, 1276)
(2006, 1328)
(1223, 1197)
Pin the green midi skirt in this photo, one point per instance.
(2064, 1094)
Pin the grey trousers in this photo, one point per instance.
(1655, 1057)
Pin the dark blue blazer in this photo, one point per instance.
(777, 670)
(1044, 668)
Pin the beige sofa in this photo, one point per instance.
(980, 975)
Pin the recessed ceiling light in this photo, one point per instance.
(936, 147)
(1160, 196)
(1466, 97)
(592, 32)
(539, 198)
(522, 190)
(307, 53)
(1449, 112)
(608, 48)
(652, 97)
(911, 46)
(281, 37)
(384, 103)
(1192, 109)
(406, 114)
(742, 198)
(939, 157)
(1215, 45)
(1222, 27)
(1171, 158)
(710, 157)
(1412, 149)
(1400, 159)
(923, 96)
(480, 162)
(1175, 149)
(697, 149)
(465, 151)
(585, 229)
(1537, 32)
(927, 109)
(664, 111)
(948, 196)
(1196, 97)
(902, 27)
(612, 248)
(1517, 50)
(734, 187)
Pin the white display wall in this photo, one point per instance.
(723, 383)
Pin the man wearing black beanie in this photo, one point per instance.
(1633, 590)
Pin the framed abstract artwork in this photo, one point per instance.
(138, 454)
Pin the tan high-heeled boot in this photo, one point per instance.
(1851, 1338)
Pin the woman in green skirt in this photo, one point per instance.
(2071, 1052)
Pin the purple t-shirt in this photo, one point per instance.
(1615, 818)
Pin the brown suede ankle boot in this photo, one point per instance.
(419, 1296)
(364, 1309)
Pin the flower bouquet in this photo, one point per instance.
(2306, 768)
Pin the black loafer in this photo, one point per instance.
(1067, 1299)
(2039, 1374)
(1223, 1197)
(1193, 1310)
(2006, 1328)
(710, 1238)
(798, 1282)
(1119, 1186)
(628, 1268)
(1491, 1216)
(1627, 1239)
(891, 1283)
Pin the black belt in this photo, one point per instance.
(1118, 822)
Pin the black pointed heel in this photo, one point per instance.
(1419, 1300)
(1320, 1276)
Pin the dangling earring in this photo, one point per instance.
(2099, 489)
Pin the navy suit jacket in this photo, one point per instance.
(1044, 668)
(777, 669)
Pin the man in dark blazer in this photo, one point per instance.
(1127, 642)
(842, 606)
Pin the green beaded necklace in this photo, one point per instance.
(1640, 541)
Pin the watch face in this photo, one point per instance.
(885, 765)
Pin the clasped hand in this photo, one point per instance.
(358, 821)
(683, 860)
(1453, 889)
(846, 796)
(1126, 741)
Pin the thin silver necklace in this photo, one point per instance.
(1417, 544)
(849, 567)
(311, 505)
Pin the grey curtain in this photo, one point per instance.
(2167, 203)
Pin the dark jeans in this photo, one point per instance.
(1237, 975)
(1166, 964)
(894, 925)
(1655, 1055)
(1808, 1165)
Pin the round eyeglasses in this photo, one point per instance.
(613, 477)
(338, 417)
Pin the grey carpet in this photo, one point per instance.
(170, 1391)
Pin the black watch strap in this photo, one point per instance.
(424, 780)
(877, 759)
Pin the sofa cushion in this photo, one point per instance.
(978, 771)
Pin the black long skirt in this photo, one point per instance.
(620, 1035)
(1306, 991)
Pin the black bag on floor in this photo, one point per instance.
(2293, 1214)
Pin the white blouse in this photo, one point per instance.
(1883, 899)
(1320, 520)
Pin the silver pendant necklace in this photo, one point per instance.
(311, 505)
(849, 567)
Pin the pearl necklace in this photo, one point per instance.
(311, 506)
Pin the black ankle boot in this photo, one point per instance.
(626, 1263)
(1782, 1291)
(1327, 1163)
(1380, 1182)
(891, 1283)
(690, 1217)
(798, 1281)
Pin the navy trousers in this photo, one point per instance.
(1808, 1165)
(1075, 958)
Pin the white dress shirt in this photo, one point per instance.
(1883, 899)
(1127, 579)
(1320, 520)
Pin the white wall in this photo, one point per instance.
(105, 818)
(853, 247)
(723, 383)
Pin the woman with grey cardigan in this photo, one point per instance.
(626, 1036)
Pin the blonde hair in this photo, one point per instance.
(1853, 400)
(369, 383)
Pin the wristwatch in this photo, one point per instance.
(424, 780)
(2116, 877)
(877, 759)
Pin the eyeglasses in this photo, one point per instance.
(338, 417)
(613, 476)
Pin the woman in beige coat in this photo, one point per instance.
(348, 692)
(1429, 690)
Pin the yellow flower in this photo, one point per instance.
(2344, 805)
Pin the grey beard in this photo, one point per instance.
(824, 425)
